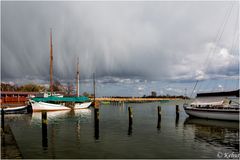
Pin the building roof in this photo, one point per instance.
(20, 93)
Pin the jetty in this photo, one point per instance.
(133, 99)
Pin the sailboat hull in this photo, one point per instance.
(82, 105)
(220, 114)
(42, 106)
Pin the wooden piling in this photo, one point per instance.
(44, 130)
(159, 111)
(177, 110)
(130, 118)
(130, 115)
(2, 119)
(159, 117)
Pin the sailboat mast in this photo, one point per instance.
(94, 88)
(77, 82)
(51, 63)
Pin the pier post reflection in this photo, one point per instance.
(96, 123)
(177, 116)
(177, 120)
(44, 130)
(130, 129)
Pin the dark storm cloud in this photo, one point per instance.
(152, 40)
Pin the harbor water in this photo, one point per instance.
(76, 134)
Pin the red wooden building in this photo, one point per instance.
(16, 97)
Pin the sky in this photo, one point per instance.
(133, 47)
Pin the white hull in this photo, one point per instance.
(220, 114)
(42, 106)
(82, 105)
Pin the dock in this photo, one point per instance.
(134, 99)
(9, 147)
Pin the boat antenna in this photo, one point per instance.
(51, 63)
(77, 79)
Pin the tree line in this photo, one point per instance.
(31, 87)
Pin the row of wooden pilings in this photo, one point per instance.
(159, 113)
(130, 113)
(45, 123)
(96, 122)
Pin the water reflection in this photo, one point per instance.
(76, 134)
(56, 119)
(57, 116)
(16, 119)
(44, 131)
(215, 132)
(159, 123)
(51, 116)
(96, 123)
(130, 128)
(176, 120)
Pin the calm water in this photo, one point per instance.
(75, 135)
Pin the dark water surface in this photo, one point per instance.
(73, 134)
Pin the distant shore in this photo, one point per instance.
(134, 99)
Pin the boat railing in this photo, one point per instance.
(235, 107)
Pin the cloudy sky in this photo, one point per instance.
(133, 47)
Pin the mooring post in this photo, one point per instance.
(130, 115)
(159, 117)
(159, 112)
(2, 119)
(130, 118)
(44, 129)
(177, 110)
(96, 123)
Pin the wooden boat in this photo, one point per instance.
(59, 103)
(43, 106)
(18, 110)
(213, 106)
(82, 105)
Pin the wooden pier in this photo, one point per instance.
(134, 99)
